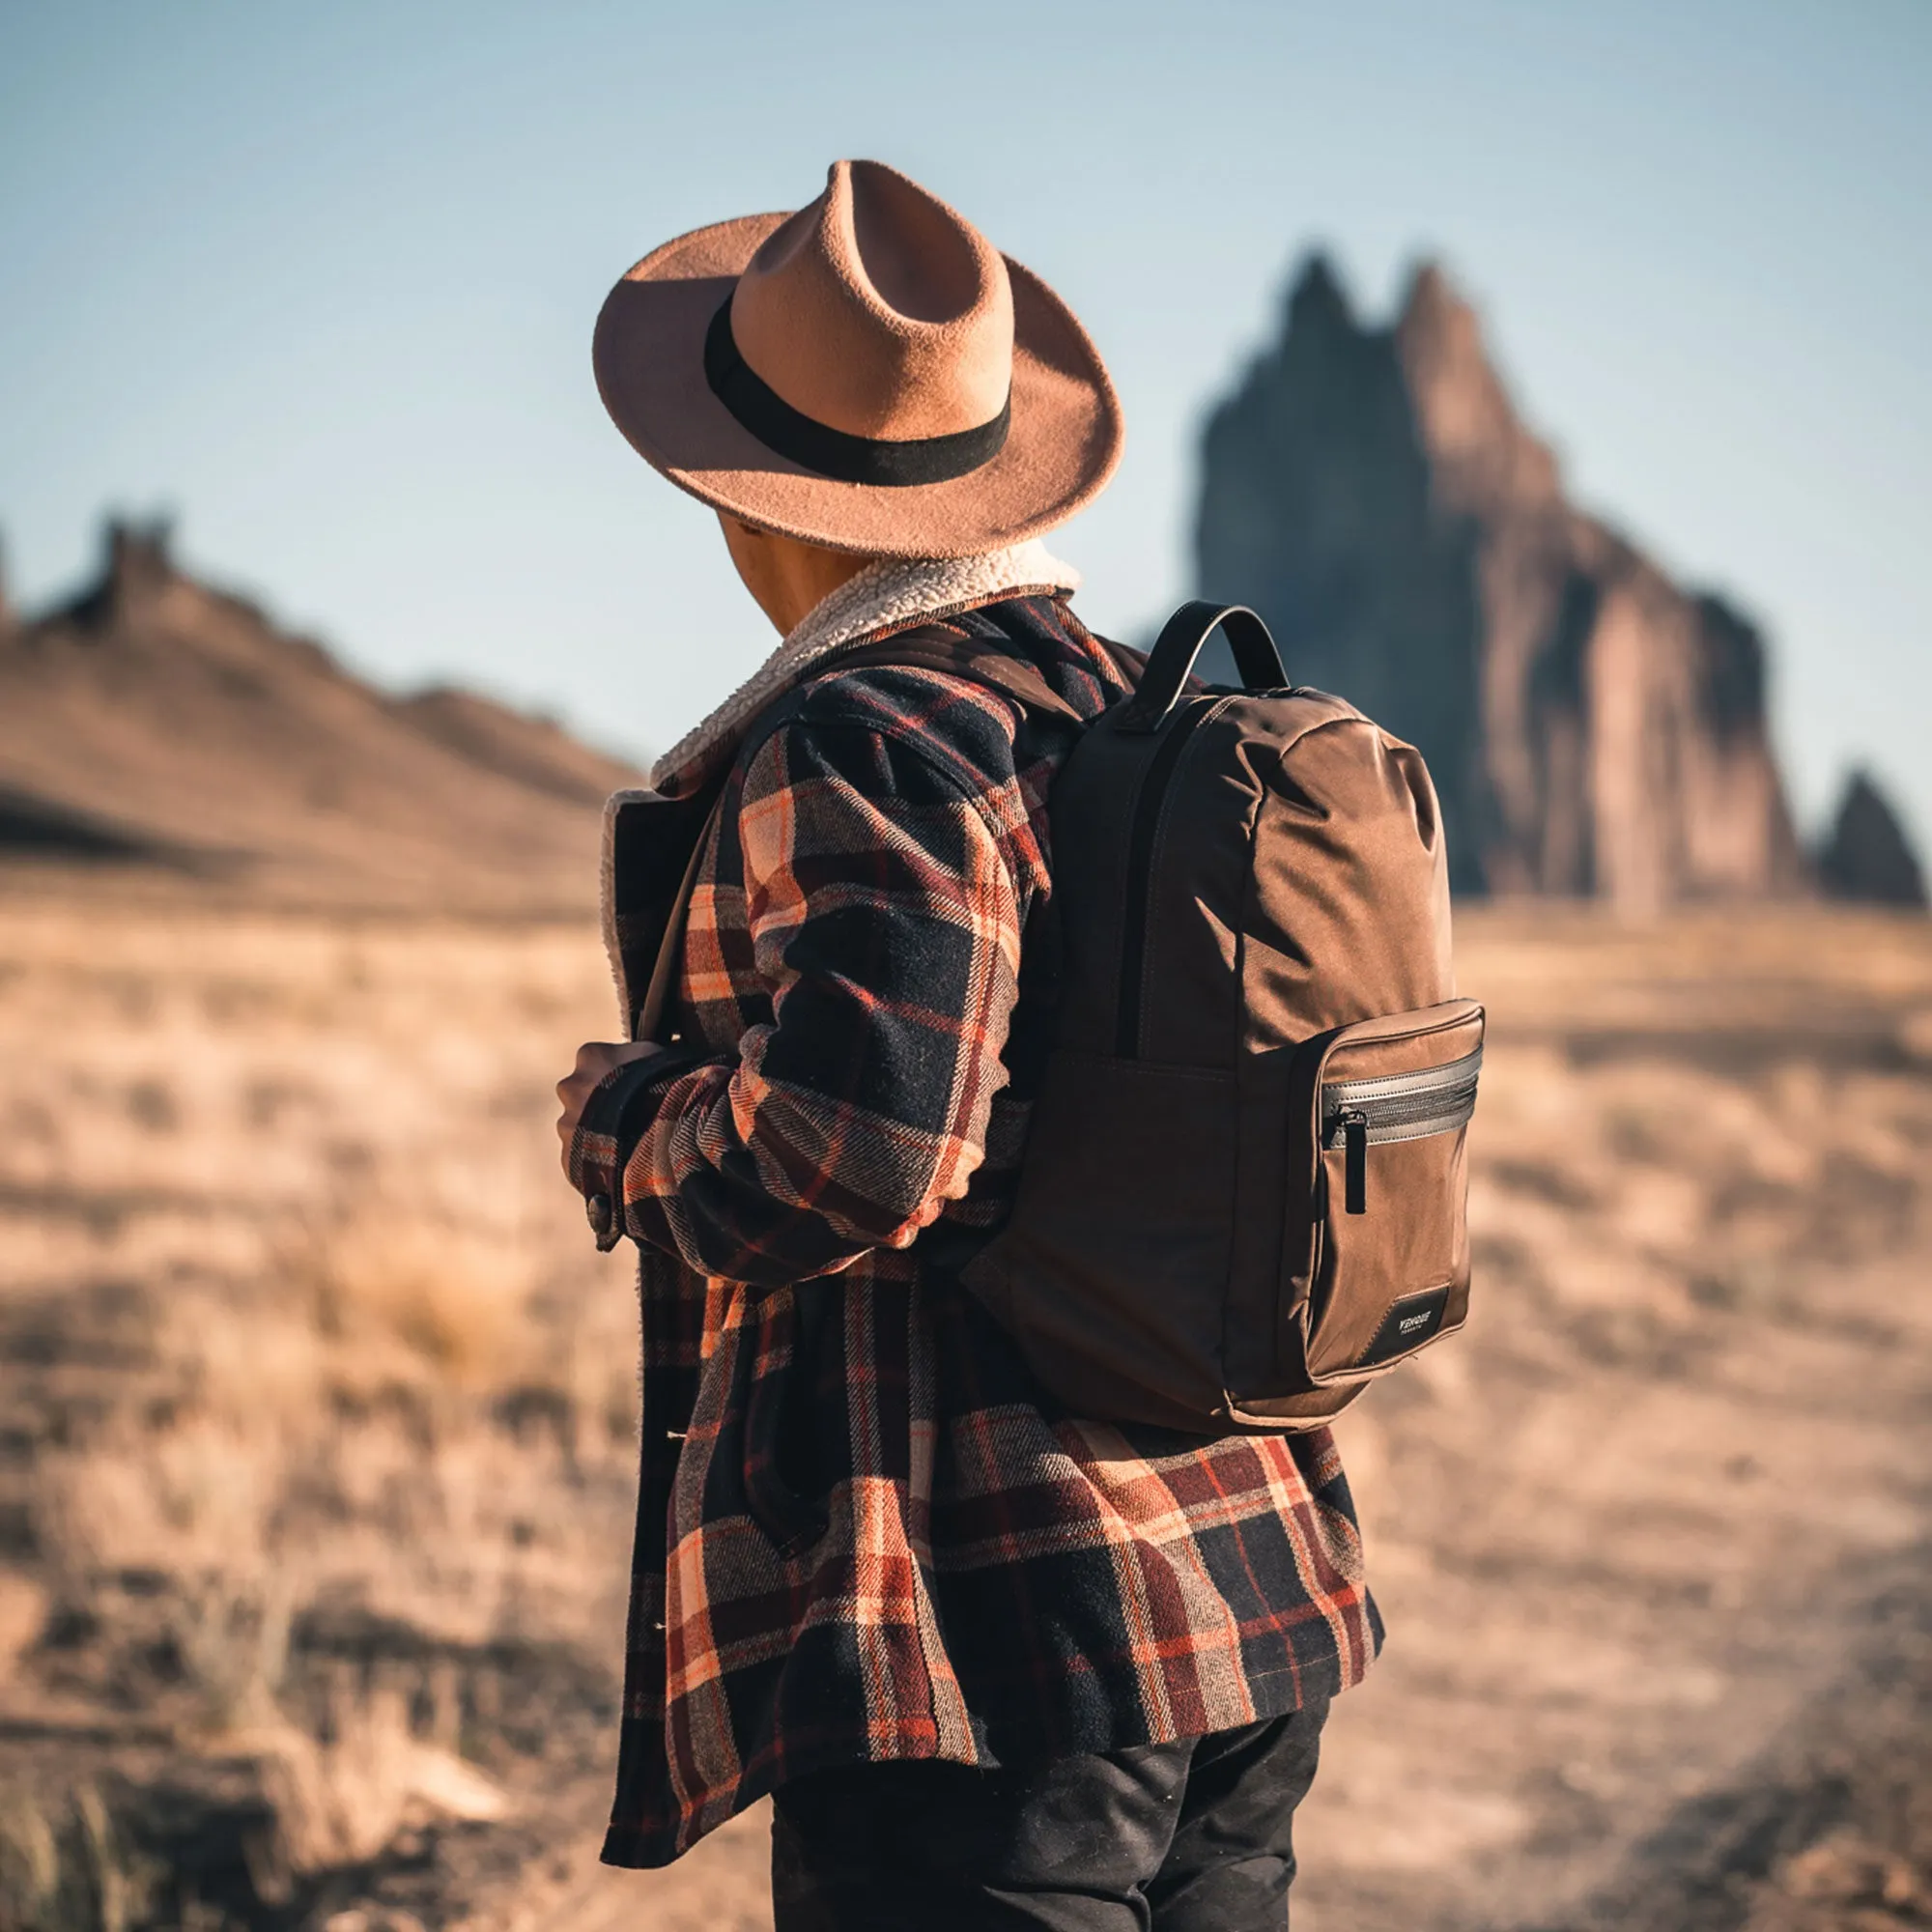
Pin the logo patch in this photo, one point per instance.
(1410, 1322)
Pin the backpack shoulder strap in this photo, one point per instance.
(931, 647)
(644, 1022)
(928, 648)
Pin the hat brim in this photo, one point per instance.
(648, 352)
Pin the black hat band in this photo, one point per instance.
(832, 453)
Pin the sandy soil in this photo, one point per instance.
(316, 1444)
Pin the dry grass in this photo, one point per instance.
(317, 1432)
(323, 1399)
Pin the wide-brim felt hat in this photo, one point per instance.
(867, 372)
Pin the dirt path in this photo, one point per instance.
(1830, 1827)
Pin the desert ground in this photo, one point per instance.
(317, 1441)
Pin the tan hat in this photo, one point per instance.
(869, 374)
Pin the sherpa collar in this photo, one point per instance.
(883, 597)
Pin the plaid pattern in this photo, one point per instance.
(865, 1532)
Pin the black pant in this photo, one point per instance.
(1186, 1837)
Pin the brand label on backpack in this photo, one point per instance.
(1409, 1324)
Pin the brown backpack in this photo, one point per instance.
(1243, 1196)
(1243, 1190)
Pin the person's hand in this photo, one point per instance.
(595, 1059)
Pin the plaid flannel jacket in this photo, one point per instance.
(865, 1532)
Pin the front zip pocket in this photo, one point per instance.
(1357, 1115)
(1384, 1263)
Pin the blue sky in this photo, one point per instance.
(320, 280)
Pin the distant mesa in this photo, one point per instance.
(533, 752)
(1595, 731)
(1866, 856)
(152, 720)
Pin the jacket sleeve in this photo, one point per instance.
(884, 925)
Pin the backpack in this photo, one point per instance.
(1243, 1196)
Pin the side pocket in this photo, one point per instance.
(1396, 1274)
(1383, 1252)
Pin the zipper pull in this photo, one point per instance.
(1355, 1126)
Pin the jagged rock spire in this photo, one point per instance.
(1316, 298)
(136, 567)
(1867, 856)
(1592, 729)
(1485, 455)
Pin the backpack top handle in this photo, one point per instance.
(1179, 644)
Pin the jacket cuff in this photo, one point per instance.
(608, 1131)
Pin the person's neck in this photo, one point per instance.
(883, 595)
(787, 578)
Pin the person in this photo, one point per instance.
(996, 1663)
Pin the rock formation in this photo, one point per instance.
(1866, 856)
(1594, 731)
(153, 719)
(8, 621)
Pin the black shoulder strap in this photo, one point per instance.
(931, 647)
(928, 647)
(644, 1022)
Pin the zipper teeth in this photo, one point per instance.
(1399, 1086)
(1401, 1109)
(1142, 840)
(1439, 1120)
(1403, 1106)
